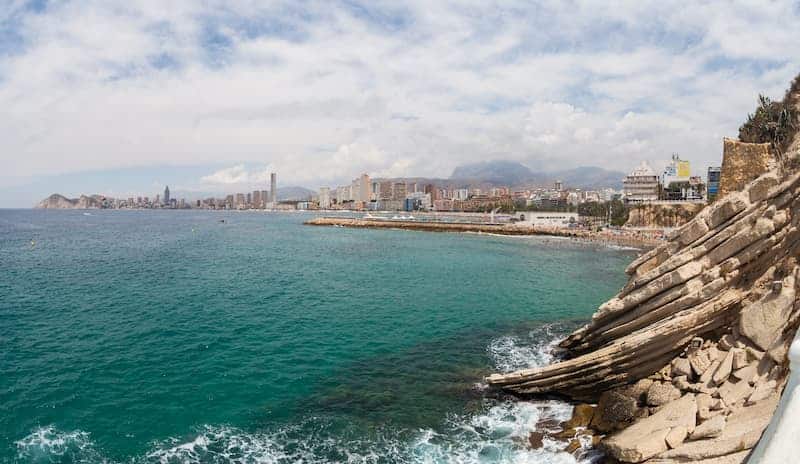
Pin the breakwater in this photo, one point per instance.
(620, 239)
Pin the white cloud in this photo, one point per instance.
(233, 175)
(314, 90)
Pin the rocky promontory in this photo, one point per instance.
(57, 201)
(688, 361)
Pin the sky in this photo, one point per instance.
(120, 98)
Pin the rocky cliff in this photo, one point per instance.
(662, 215)
(688, 361)
(56, 201)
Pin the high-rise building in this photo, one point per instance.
(399, 191)
(264, 200)
(360, 188)
(273, 188)
(712, 183)
(385, 190)
(256, 199)
(166, 195)
(325, 197)
(559, 186)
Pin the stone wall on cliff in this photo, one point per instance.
(662, 215)
(741, 163)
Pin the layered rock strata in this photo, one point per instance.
(688, 361)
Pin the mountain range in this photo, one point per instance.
(514, 174)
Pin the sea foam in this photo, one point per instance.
(497, 434)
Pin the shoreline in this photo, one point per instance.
(624, 240)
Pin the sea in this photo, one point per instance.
(248, 337)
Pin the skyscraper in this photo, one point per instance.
(166, 195)
(273, 188)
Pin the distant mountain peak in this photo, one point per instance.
(515, 174)
(497, 171)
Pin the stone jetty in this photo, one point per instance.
(621, 239)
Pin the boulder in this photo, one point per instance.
(700, 363)
(581, 416)
(638, 390)
(747, 373)
(707, 379)
(733, 393)
(762, 391)
(709, 429)
(714, 353)
(535, 440)
(614, 410)
(574, 445)
(739, 358)
(681, 382)
(676, 436)
(565, 434)
(681, 366)
(647, 437)
(763, 321)
(660, 394)
(724, 370)
(727, 342)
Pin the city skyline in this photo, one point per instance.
(91, 91)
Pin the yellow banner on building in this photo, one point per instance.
(683, 169)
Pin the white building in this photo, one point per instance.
(641, 185)
(677, 170)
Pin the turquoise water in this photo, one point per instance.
(168, 336)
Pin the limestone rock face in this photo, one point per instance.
(56, 201)
(664, 215)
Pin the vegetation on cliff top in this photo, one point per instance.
(774, 122)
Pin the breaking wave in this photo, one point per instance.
(498, 433)
(534, 349)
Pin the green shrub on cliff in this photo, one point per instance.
(774, 122)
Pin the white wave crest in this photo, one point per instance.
(45, 443)
(511, 352)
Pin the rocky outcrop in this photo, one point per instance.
(662, 215)
(56, 201)
(688, 361)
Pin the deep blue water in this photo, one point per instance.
(132, 336)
